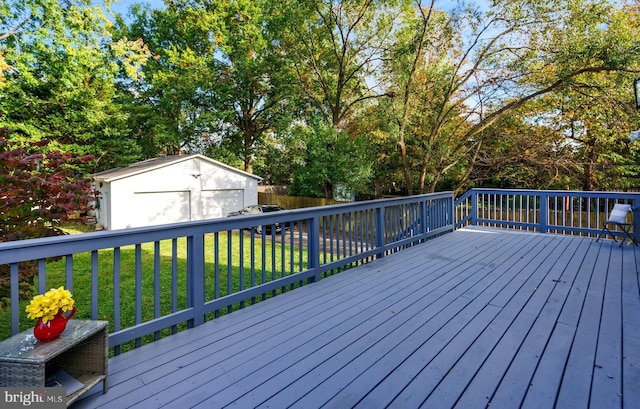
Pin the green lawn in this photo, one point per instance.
(171, 270)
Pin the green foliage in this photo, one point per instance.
(216, 84)
(331, 158)
(526, 154)
(279, 157)
(479, 66)
(423, 98)
(336, 49)
(59, 79)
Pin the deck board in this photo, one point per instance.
(499, 328)
(373, 328)
(579, 371)
(430, 350)
(630, 329)
(606, 390)
(473, 318)
(382, 361)
(517, 379)
(374, 358)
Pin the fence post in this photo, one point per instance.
(451, 219)
(544, 213)
(313, 247)
(474, 207)
(424, 227)
(15, 298)
(380, 231)
(195, 278)
(636, 219)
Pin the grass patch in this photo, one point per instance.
(154, 276)
(75, 228)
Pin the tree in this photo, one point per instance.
(525, 154)
(331, 158)
(336, 49)
(595, 118)
(254, 83)
(280, 155)
(484, 65)
(410, 54)
(170, 105)
(39, 191)
(589, 118)
(426, 88)
(217, 85)
(58, 71)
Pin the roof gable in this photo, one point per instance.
(160, 162)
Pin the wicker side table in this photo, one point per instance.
(81, 351)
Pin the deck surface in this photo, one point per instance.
(472, 319)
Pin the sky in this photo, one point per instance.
(122, 6)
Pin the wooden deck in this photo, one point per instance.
(471, 319)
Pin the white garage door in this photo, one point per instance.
(150, 208)
(218, 203)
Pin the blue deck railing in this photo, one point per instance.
(153, 281)
(545, 211)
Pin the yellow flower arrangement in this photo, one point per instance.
(47, 305)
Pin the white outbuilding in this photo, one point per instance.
(171, 189)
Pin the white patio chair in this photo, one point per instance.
(618, 218)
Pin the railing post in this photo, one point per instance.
(313, 248)
(451, 218)
(15, 300)
(474, 207)
(635, 208)
(380, 231)
(95, 284)
(195, 278)
(423, 217)
(544, 213)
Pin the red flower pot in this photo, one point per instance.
(53, 328)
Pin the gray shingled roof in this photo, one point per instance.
(150, 164)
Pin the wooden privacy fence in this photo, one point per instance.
(293, 202)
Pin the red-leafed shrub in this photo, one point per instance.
(39, 189)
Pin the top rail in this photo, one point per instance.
(150, 282)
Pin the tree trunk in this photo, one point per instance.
(249, 136)
(405, 102)
(405, 163)
(589, 174)
(328, 190)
